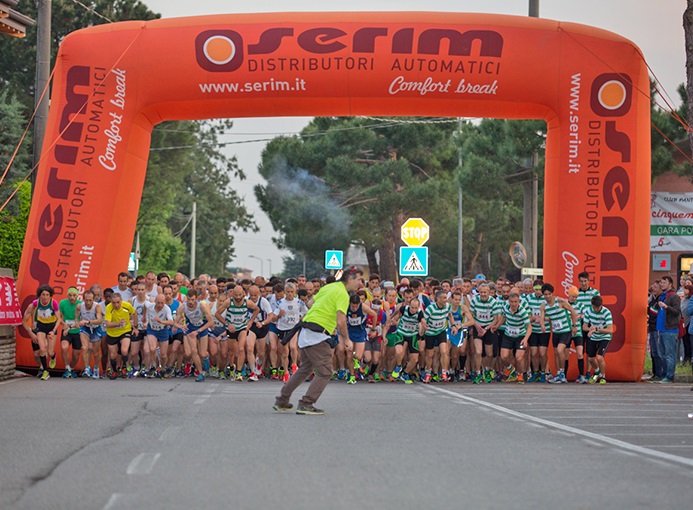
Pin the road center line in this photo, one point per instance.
(143, 464)
(566, 428)
(112, 501)
(168, 433)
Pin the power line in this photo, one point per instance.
(92, 10)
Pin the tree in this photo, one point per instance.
(293, 266)
(187, 166)
(360, 181)
(13, 228)
(688, 33)
(12, 125)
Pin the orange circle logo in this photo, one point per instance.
(612, 95)
(219, 49)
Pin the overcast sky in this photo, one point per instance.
(654, 25)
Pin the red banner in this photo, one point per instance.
(10, 315)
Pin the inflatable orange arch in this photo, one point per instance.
(114, 82)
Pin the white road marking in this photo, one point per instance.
(566, 428)
(112, 501)
(202, 399)
(169, 433)
(13, 380)
(143, 464)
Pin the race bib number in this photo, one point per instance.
(536, 312)
(291, 320)
(439, 324)
(45, 313)
(408, 327)
(513, 331)
(484, 316)
(557, 325)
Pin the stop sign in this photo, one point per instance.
(415, 232)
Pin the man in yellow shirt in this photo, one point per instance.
(121, 319)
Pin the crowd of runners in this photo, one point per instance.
(463, 329)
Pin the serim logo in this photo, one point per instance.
(611, 95)
(219, 51)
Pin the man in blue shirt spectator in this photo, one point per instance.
(668, 327)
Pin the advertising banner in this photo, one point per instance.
(671, 222)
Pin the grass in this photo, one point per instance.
(680, 369)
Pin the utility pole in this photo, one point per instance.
(43, 72)
(530, 210)
(269, 261)
(534, 8)
(530, 226)
(193, 239)
(459, 198)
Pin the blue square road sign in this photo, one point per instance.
(413, 261)
(334, 259)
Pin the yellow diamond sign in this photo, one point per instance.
(415, 232)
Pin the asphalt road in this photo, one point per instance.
(179, 444)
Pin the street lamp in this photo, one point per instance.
(262, 264)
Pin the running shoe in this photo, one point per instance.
(562, 379)
(341, 375)
(286, 376)
(130, 371)
(445, 377)
(551, 379)
(222, 375)
(187, 369)
(370, 378)
(283, 408)
(66, 374)
(396, 371)
(73, 374)
(521, 378)
(377, 377)
(51, 363)
(113, 375)
(239, 376)
(293, 369)
(86, 373)
(200, 378)
(39, 373)
(45, 375)
(512, 377)
(666, 380)
(427, 378)
(542, 377)
(593, 379)
(407, 379)
(352, 380)
(436, 378)
(581, 380)
(309, 410)
(602, 380)
(273, 374)
(478, 378)
(334, 376)
(205, 363)
(253, 377)
(95, 374)
(489, 375)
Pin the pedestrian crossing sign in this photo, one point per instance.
(334, 259)
(413, 261)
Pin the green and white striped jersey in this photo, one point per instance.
(515, 323)
(534, 304)
(600, 319)
(580, 312)
(436, 319)
(558, 317)
(585, 297)
(485, 312)
(408, 324)
(237, 315)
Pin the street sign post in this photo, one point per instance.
(413, 260)
(415, 232)
(334, 259)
